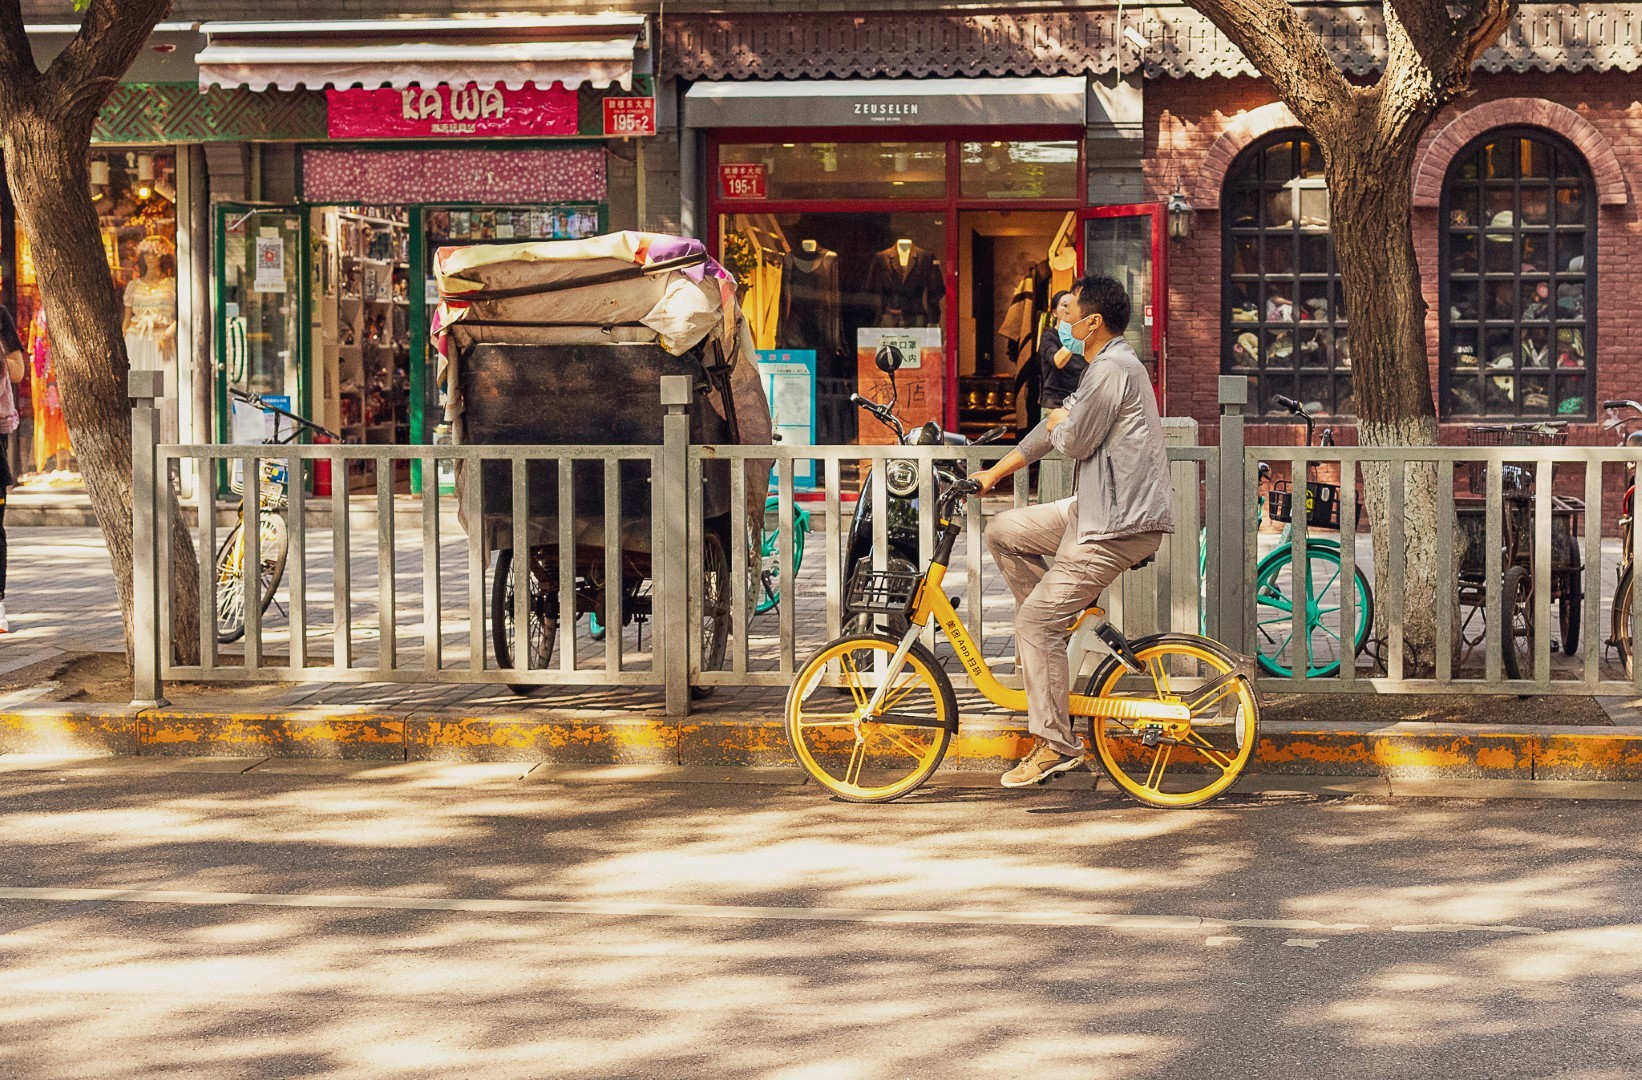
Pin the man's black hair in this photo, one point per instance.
(1102, 294)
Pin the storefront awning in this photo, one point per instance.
(887, 102)
(509, 50)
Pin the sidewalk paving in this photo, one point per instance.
(63, 607)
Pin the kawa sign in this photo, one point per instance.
(460, 111)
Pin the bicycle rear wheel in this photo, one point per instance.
(888, 755)
(1180, 767)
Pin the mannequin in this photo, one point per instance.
(150, 324)
(907, 284)
(811, 308)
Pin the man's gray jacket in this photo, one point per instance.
(1113, 432)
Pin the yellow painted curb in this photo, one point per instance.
(541, 735)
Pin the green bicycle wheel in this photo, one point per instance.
(769, 551)
(1324, 639)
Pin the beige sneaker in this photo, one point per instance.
(1041, 765)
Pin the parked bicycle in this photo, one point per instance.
(1151, 700)
(1625, 417)
(273, 539)
(1274, 587)
(1517, 554)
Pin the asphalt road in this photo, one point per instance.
(161, 922)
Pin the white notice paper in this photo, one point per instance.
(270, 275)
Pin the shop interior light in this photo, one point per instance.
(145, 192)
(1180, 211)
(145, 168)
(99, 172)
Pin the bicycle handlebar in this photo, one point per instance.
(881, 413)
(1622, 403)
(255, 399)
(960, 489)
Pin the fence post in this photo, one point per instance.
(670, 566)
(146, 388)
(1228, 534)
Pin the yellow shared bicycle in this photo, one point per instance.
(1173, 717)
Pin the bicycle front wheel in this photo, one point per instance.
(875, 758)
(1325, 640)
(1189, 764)
(231, 574)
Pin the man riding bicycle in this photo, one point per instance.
(1115, 520)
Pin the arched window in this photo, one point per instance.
(1284, 315)
(1518, 279)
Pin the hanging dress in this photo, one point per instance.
(50, 425)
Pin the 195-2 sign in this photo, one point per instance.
(629, 116)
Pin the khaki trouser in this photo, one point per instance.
(1050, 599)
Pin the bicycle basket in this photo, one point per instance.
(1549, 433)
(884, 592)
(1322, 504)
(276, 476)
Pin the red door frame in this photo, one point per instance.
(1159, 299)
(951, 206)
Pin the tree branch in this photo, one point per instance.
(86, 71)
(1279, 43)
(18, 72)
(1450, 45)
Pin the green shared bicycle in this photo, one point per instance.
(1274, 579)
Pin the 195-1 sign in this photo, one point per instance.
(742, 181)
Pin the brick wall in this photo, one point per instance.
(1184, 120)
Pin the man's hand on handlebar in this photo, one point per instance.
(983, 481)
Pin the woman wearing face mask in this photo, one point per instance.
(1060, 354)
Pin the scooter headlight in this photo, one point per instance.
(901, 477)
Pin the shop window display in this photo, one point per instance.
(1284, 315)
(834, 170)
(134, 193)
(1518, 255)
(1019, 170)
(813, 281)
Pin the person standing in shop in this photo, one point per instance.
(1060, 354)
(12, 346)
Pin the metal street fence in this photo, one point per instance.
(619, 544)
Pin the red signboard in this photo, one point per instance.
(451, 111)
(629, 116)
(741, 181)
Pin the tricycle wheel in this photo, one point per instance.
(544, 617)
(1517, 617)
(1569, 609)
(715, 608)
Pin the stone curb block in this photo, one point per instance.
(1406, 749)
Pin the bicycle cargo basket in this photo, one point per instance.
(1549, 433)
(276, 476)
(1322, 504)
(884, 592)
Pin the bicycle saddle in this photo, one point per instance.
(1091, 612)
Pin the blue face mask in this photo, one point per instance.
(1068, 341)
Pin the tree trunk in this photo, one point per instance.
(1370, 180)
(45, 159)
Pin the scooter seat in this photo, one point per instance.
(1147, 561)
